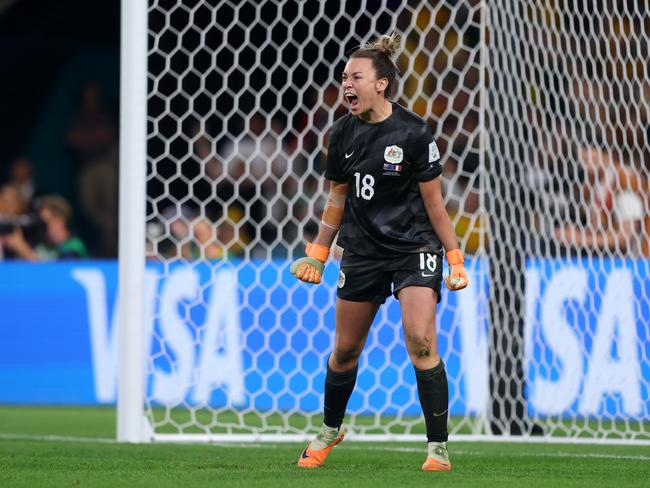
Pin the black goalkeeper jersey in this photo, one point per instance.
(382, 163)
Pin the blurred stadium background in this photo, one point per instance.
(540, 110)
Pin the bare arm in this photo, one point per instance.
(310, 268)
(441, 223)
(432, 195)
(614, 239)
(332, 215)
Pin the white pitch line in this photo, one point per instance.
(518, 454)
(251, 445)
(461, 452)
(57, 438)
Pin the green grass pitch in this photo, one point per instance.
(64, 446)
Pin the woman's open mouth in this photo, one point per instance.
(353, 100)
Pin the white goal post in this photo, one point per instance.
(131, 422)
(540, 110)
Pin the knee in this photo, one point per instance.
(422, 351)
(344, 358)
(418, 345)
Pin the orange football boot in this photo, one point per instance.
(314, 458)
(437, 457)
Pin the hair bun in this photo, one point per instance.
(390, 45)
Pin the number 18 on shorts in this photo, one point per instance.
(370, 279)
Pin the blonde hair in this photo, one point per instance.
(383, 51)
(58, 205)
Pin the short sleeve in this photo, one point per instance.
(425, 156)
(334, 169)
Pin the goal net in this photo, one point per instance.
(540, 113)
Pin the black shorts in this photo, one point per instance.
(363, 279)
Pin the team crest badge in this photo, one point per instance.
(341, 279)
(393, 154)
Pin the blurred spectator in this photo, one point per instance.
(92, 134)
(232, 233)
(60, 242)
(21, 175)
(249, 155)
(13, 214)
(257, 163)
(226, 239)
(93, 138)
(187, 235)
(615, 207)
(12, 203)
(171, 236)
(204, 245)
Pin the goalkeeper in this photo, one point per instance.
(385, 199)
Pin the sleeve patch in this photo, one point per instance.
(434, 154)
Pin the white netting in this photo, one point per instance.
(568, 165)
(241, 95)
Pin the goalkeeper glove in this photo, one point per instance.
(310, 268)
(457, 279)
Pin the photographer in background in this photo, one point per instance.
(60, 243)
(13, 214)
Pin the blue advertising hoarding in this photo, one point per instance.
(251, 336)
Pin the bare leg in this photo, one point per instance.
(419, 318)
(353, 321)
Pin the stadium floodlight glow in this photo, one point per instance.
(540, 126)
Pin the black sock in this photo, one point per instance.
(434, 399)
(338, 388)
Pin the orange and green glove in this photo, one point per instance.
(457, 279)
(310, 268)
